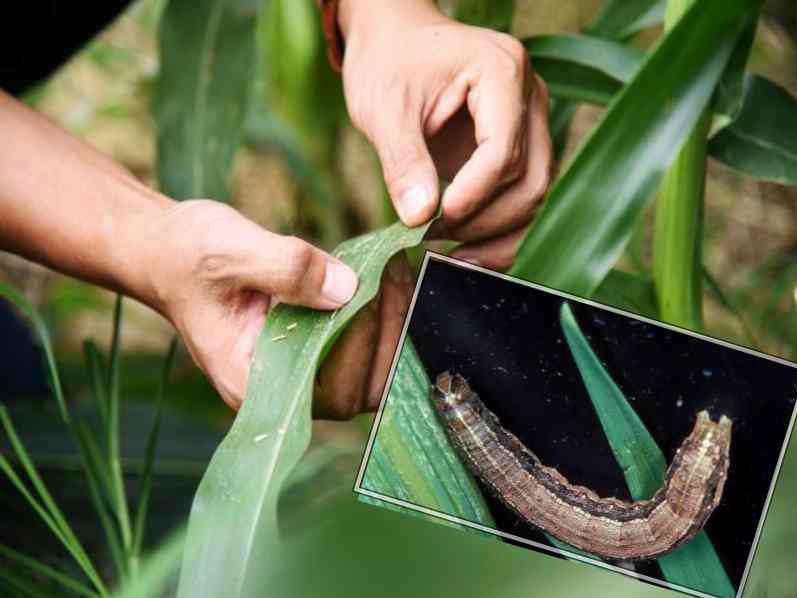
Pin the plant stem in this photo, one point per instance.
(678, 229)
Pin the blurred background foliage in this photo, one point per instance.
(304, 170)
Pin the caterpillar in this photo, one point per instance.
(607, 527)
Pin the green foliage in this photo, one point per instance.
(99, 460)
(593, 206)
(207, 67)
(583, 68)
(620, 19)
(411, 458)
(495, 14)
(694, 565)
(761, 141)
(233, 525)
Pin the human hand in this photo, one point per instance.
(441, 99)
(223, 274)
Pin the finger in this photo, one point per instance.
(515, 206)
(293, 271)
(342, 381)
(496, 254)
(497, 102)
(408, 168)
(226, 358)
(397, 287)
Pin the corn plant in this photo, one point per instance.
(669, 109)
(100, 461)
(696, 71)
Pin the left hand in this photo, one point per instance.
(442, 99)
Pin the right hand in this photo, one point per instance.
(215, 274)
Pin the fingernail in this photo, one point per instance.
(412, 204)
(340, 282)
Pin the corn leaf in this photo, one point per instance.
(761, 142)
(752, 116)
(619, 19)
(494, 14)
(695, 565)
(207, 51)
(591, 209)
(631, 292)
(232, 532)
(411, 458)
(583, 68)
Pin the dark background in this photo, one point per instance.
(505, 338)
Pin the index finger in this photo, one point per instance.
(498, 102)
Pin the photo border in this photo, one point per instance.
(358, 489)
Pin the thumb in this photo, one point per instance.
(293, 271)
(409, 171)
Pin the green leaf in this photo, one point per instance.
(96, 367)
(581, 67)
(40, 328)
(411, 458)
(46, 571)
(207, 54)
(631, 292)
(620, 19)
(233, 528)
(678, 233)
(149, 459)
(591, 209)
(494, 14)
(694, 565)
(752, 116)
(729, 97)
(45, 506)
(761, 142)
(117, 485)
(157, 569)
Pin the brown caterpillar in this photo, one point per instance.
(607, 527)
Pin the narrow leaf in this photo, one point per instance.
(583, 68)
(591, 209)
(411, 458)
(47, 509)
(149, 459)
(96, 367)
(117, 485)
(694, 565)
(233, 529)
(207, 52)
(619, 19)
(45, 570)
(752, 116)
(494, 14)
(99, 483)
(39, 327)
(761, 142)
(630, 292)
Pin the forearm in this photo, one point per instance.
(65, 205)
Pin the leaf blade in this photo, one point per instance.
(207, 52)
(577, 238)
(228, 534)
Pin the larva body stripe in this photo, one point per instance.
(608, 527)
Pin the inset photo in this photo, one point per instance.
(577, 429)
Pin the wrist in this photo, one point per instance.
(368, 15)
(137, 255)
